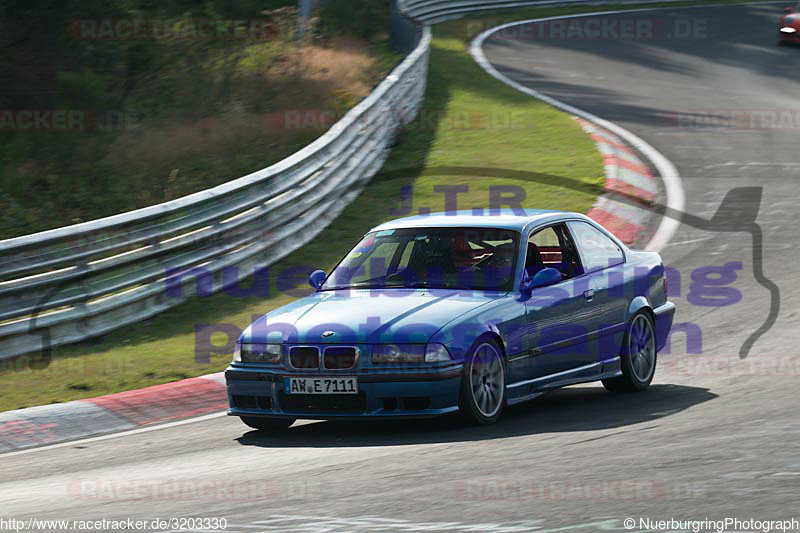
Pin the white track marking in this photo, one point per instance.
(115, 435)
(676, 198)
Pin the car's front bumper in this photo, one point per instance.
(254, 391)
(789, 37)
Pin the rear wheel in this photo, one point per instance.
(638, 356)
(267, 424)
(483, 385)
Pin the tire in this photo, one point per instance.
(267, 424)
(483, 384)
(638, 356)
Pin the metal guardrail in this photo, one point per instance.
(72, 283)
(434, 11)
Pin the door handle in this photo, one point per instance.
(589, 294)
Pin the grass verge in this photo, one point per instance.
(468, 120)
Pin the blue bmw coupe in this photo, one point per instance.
(455, 312)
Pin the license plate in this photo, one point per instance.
(321, 386)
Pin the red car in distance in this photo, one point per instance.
(789, 27)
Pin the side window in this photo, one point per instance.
(552, 247)
(597, 250)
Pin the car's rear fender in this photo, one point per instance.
(661, 316)
(651, 296)
(639, 303)
(653, 289)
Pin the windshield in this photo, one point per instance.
(440, 258)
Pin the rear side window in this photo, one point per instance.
(596, 249)
(552, 247)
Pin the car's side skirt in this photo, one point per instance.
(582, 374)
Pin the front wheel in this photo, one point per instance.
(267, 424)
(638, 356)
(483, 385)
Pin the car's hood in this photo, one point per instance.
(365, 316)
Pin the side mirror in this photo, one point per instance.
(788, 10)
(317, 278)
(545, 277)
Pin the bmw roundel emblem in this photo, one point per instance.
(327, 334)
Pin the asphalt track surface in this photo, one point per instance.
(702, 443)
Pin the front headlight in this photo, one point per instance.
(436, 353)
(257, 353)
(409, 353)
(788, 29)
